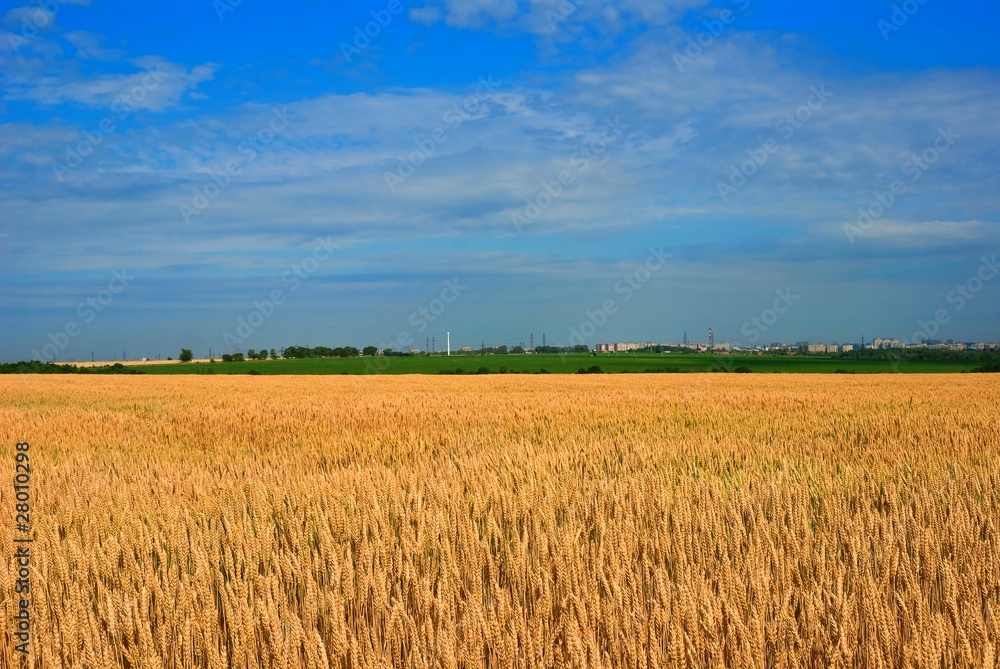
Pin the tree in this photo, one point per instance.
(517, 349)
(186, 355)
(274, 356)
(369, 350)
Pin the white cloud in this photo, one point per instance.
(550, 17)
(153, 84)
(425, 15)
(475, 13)
(29, 20)
(931, 234)
(325, 172)
(91, 45)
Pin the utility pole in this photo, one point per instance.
(433, 346)
(543, 340)
(427, 345)
(532, 341)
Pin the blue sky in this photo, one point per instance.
(246, 175)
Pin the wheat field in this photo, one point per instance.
(507, 521)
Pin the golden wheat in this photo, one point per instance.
(654, 521)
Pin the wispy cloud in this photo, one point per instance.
(105, 90)
(549, 17)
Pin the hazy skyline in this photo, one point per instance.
(495, 168)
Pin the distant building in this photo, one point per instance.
(618, 347)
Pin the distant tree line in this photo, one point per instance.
(664, 348)
(36, 367)
(321, 352)
(579, 348)
(299, 352)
